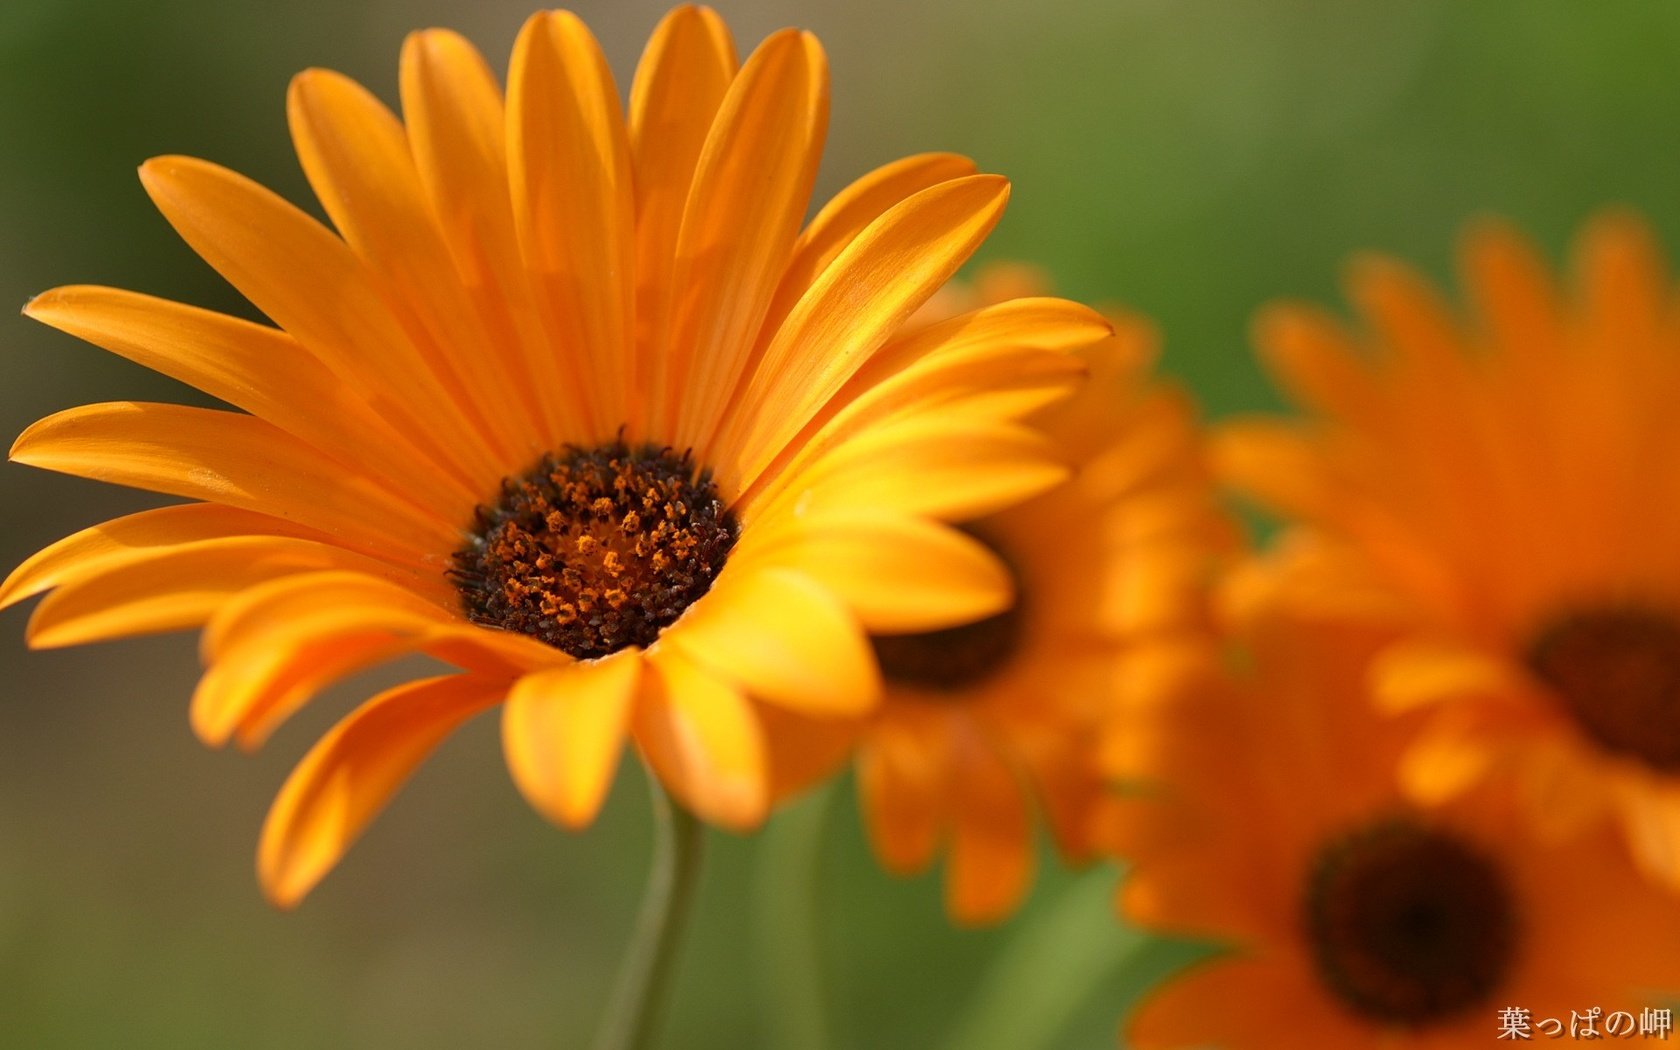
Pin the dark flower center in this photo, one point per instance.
(954, 658)
(596, 549)
(1617, 671)
(1408, 924)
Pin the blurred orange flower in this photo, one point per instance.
(569, 401)
(1501, 486)
(987, 722)
(1266, 815)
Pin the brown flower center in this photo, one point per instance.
(1408, 924)
(1617, 671)
(596, 549)
(954, 658)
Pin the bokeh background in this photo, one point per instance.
(1188, 158)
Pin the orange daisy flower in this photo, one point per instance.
(987, 722)
(1498, 485)
(569, 401)
(1269, 819)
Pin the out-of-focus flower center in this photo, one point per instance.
(1617, 670)
(1408, 924)
(950, 660)
(596, 549)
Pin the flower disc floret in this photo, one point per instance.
(596, 549)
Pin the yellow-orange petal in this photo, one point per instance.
(1446, 760)
(804, 750)
(457, 131)
(990, 863)
(311, 284)
(233, 459)
(137, 537)
(1652, 826)
(563, 731)
(849, 212)
(1419, 672)
(704, 740)
(1622, 275)
(954, 468)
(896, 574)
(574, 205)
(1274, 462)
(1518, 301)
(260, 369)
(348, 776)
(971, 340)
(277, 605)
(178, 587)
(751, 188)
(271, 648)
(1311, 355)
(998, 363)
(852, 309)
(357, 157)
(784, 640)
(901, 784)
(680, 84)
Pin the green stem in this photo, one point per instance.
(644, 979)
(1051, 967)
(787, 924)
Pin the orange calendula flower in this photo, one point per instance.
(570, 401)
(1499, 483)
(987, 722)
(1268, 818)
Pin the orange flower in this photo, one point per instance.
(1499, 485)
(1268, 818)
(987, 722)
(571, 402)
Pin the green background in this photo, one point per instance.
(1189, 158)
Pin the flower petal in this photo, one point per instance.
(895, 573)
(953, 468)
(348, 776)
(850, 212)
(679, 86)
(751, 188)
(1316, 361)
(136, 537)
(563, 730)
(234, 459)
(457, 131)
(260, 369)
(574, 206)
(311, 284)
(998, 363)
(272, 647)
(178, 587)
(784, 640)
(1421, 672)
(852, 309)
(358, 160)
(1276, 463)
(991, 860)
(901, 773)
(704, 741)
(247, 694)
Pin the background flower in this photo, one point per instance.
(1499, 476)
(1266, 815)
(1190, 160)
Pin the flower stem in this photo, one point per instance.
(787, 924)
(644, 979)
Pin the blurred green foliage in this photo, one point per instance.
(1189, 158)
